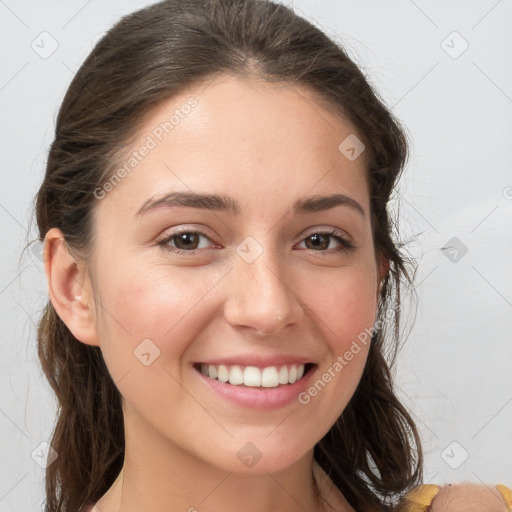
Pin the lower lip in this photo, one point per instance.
(265, 399)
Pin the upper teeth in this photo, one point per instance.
(269, 377)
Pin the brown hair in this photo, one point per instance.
(146, 58)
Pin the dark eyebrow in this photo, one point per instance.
(193, 200)
(318, 203)
(229, 205)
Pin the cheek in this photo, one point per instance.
(344, 303)
(159, 304)
(146, 325)
(345, 309)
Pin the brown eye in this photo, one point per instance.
(320, 241)
(184, 242)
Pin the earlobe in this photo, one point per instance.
(69, 288)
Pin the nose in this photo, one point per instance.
(262, 295)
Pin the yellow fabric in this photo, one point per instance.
(506, 494)
(420, 499)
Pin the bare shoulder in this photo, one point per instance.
(461, 497)
(466, 497)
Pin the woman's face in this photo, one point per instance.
(254, 284)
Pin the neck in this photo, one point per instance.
(160, 476)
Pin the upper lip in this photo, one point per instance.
(259, 361)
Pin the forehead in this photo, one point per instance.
(255, 139)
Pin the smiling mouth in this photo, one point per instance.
(252, 376)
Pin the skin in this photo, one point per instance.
(265, 145)
(468, 497)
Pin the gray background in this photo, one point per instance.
(454, 370)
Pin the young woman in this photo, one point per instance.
(223, 277)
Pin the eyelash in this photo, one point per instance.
(345, 246)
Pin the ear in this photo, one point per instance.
(69, 288)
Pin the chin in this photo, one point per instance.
(258, 457)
